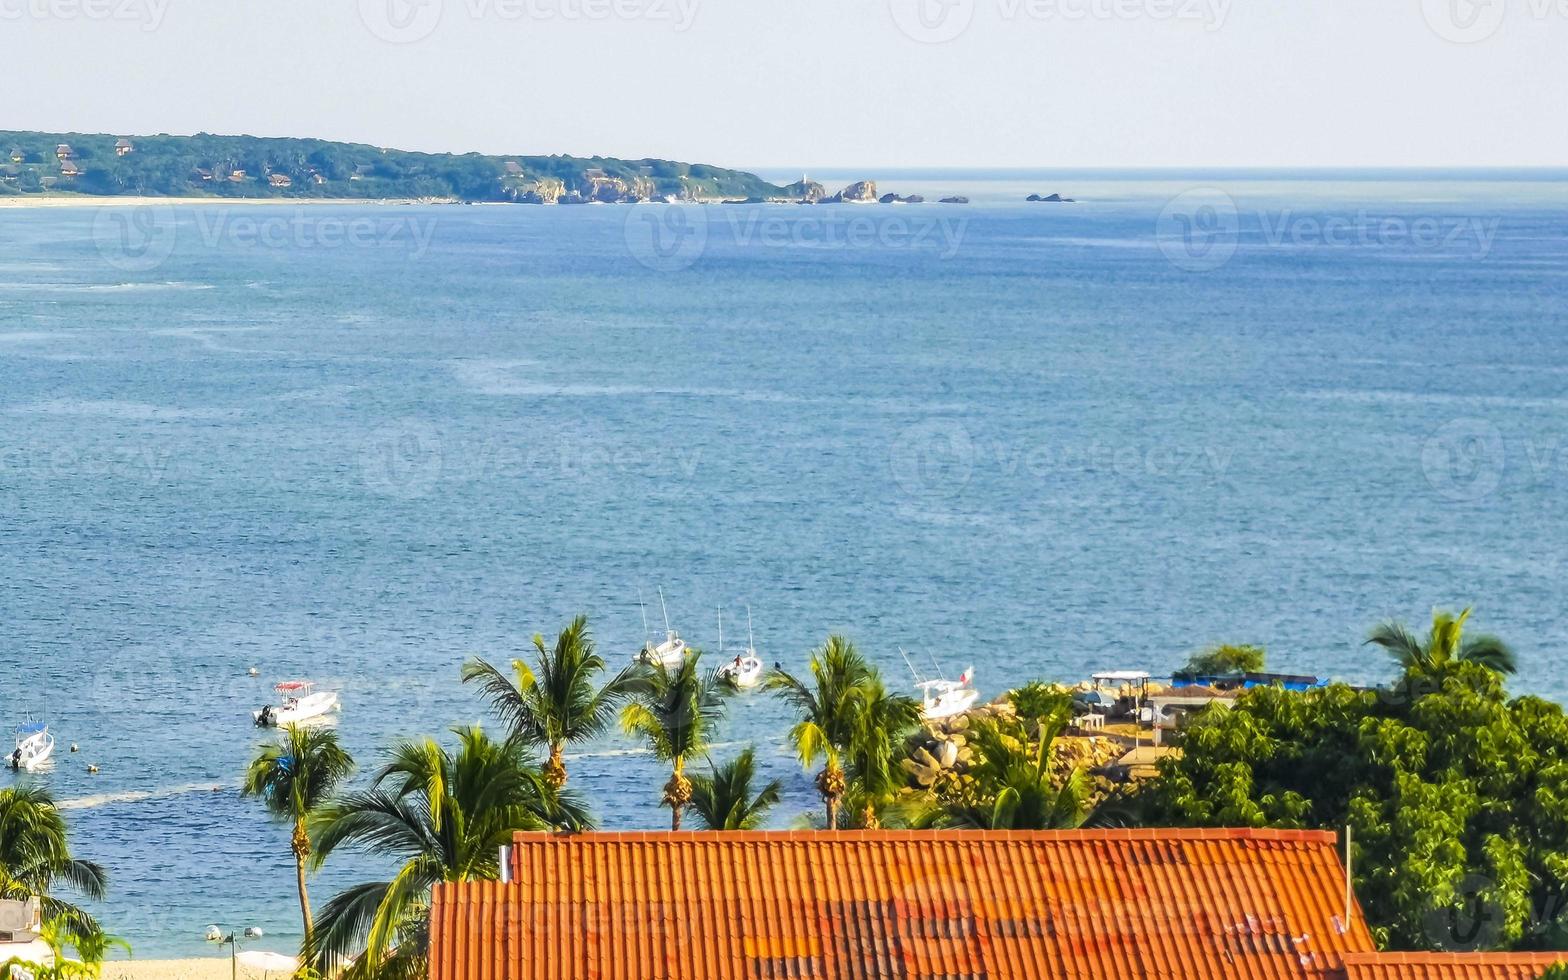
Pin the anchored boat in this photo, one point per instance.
(297, 701)
(744, 671)
(941, 698)
(34, 746)
(669, 654)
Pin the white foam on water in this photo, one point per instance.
(137, 796)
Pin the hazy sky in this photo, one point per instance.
(1015, 83)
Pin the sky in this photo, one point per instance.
(824, 83)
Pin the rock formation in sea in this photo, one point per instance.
(1049, 199)
(860, 192)
(954, 200)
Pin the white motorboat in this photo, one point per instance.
(744, 671)
(298, 701)
(943, 698)
(34, 746)
(669, 654)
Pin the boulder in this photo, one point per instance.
(806, 191)
(954, 200)
(860, 192)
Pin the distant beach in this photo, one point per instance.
(207, 968)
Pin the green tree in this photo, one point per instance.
(1457, 796)
(849, 721)
(880, 720)
(556, 703)
(1445, 644)
(36, 860)
(827, 710)
(444, 816)
(1010, 785)
(294, 778)
(676, 711)
(724, 799)
(1226, 659)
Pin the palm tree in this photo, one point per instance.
(724, 800)
(556, 704)
(294, 778)
(35, 857)
(1445, 644)
(846, 716)
(445, 817)
(1013, 787)
(880, 721)
(676, 712)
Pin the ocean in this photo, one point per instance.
(359, 444)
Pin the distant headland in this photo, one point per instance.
(48, 165)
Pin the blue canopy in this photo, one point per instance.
(31, 728)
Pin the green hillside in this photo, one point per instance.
(249, 166)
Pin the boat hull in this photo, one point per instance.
(305, 709)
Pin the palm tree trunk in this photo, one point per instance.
(555, 769)
(300, 845)
(830, 783)
(677, 793)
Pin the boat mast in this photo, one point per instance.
(910, 664)
(721, 631)
(644, 610)
(664, 610)
(751, 640)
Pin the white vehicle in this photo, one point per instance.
(745, 671)
(942, 698)
(34, 746)
(297, 701)
(669, 654)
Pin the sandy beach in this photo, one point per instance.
(208, 968)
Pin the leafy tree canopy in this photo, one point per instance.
(1457, 797)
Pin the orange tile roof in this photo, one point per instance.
(1119, 905)
(1450, 966)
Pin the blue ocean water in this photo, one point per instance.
(360, 444)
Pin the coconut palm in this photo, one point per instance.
(879, 723)
(444, 816)
(35, 860)
(294, 778)
(676, 711)
(723, 800)
(1012, 785)
(846, 717)
(556, 703)
(1445, 644)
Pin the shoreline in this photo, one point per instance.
(202, 968)
(116, 200)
